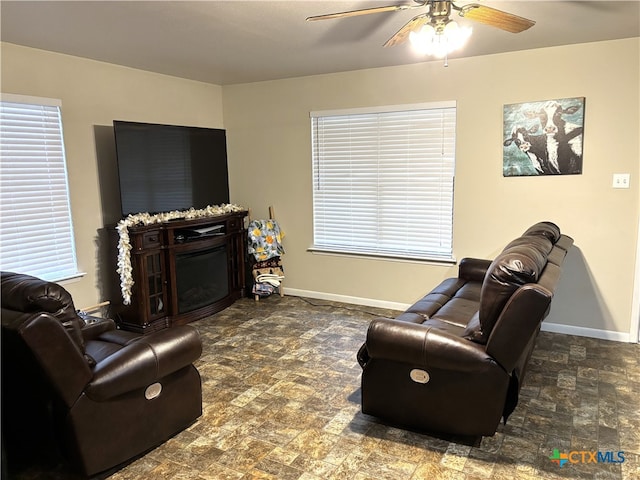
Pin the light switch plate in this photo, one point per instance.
(621, 180)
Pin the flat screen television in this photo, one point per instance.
(163, 168)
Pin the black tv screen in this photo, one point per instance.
(162, 168)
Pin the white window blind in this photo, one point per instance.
(383, 181)
(36, 235)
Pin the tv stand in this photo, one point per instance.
(184, 270)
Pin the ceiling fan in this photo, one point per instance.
(436, 21)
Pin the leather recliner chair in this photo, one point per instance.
(101, 395)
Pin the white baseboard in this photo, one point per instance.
(370, 302)
(586, 332)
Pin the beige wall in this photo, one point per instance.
(94, 94)
(268, 131)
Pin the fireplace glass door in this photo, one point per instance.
(202, 278)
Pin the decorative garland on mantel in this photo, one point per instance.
(124, 243)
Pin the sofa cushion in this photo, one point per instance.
(410, 317)
(445, 326)
(458, 311)
(453, 302)
(515, 266)
(473, 331)
(429, 304)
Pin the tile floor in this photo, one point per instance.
(281, 401)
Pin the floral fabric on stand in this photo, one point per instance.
(265, 239)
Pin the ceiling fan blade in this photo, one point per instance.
(365, 11)
(496, 18)
(401, 35)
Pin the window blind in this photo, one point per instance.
(383, 181)
(36, 235)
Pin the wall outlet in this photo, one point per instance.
(621, 180)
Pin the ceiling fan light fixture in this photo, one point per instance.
(440, 40)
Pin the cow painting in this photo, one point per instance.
(543, 138)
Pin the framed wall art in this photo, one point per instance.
(543, 138)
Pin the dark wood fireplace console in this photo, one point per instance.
(184, 270)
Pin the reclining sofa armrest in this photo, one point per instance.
(517, 324)
(473, 269)
(53, 348)
(145, 361)
(424, 346)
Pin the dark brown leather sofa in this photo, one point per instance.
(454, 362)
(100, 395)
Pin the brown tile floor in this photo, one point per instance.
(281, 401)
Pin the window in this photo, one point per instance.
(36, 235)
(383, 181)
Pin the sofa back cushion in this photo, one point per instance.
(518, 264)
(521, 262)
(540, 243)
(546, 229)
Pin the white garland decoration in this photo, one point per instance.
(124, 243)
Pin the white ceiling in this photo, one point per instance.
(238, 41)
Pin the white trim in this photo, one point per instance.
(72, 279)
(585, 332)
(384, 109)
(634, 331)
(441, 262)
(369, 302)
(401, 307)
(15, 98)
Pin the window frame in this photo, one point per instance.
(444, 255)
(44, 171)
